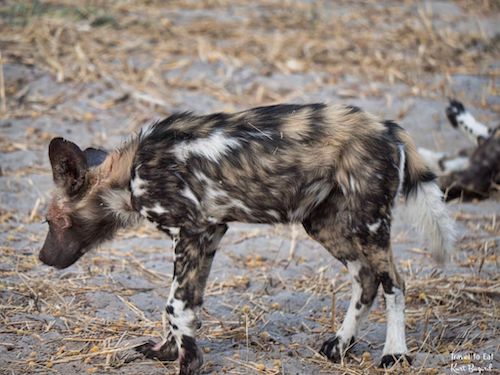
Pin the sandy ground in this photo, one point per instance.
(265, 311)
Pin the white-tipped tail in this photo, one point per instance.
(429, 214)
(424, 200)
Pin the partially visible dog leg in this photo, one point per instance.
(395, 342)
(364, 288)
(194, 253)
(333, 230)
(193, 258)
(462, 119)
(482, 176)
(457, 164)
(441, 163)
(166, 349)
(432, 158)
(476, 132)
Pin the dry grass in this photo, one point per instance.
(132, 45)
(445, 314)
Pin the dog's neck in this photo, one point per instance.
(117, 166)
(113, 182)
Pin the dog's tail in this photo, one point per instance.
(424, 199)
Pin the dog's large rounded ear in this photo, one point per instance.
(69, 165)
(94, 156)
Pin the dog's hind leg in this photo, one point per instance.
(394, 292)
(358, 234)
(332, 229)
(363, 292)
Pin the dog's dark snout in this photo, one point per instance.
(44, 257)
(41, 257)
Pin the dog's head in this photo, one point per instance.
(77, 221)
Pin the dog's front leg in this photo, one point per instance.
(166, 349)
(190, 277)
(194, 253)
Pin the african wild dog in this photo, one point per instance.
(335, 169)
(475, 172)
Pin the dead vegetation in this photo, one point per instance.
(133, 45)
(142, 53)
(445, 313)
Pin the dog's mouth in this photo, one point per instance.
(58, 255)
(59, 263)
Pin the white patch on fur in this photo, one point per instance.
(211, 147)
(472, 128)
(137, 185)
(144, 212)
(401, 169)
(157, 209)
(374, 227)
(177, 256)
(427, 211)
(174, 231)
(173, 288)
(354, 317)
(188, 193)
(182, 317)
(395, 341)
(455, 165)
(165, 324)
(352, 184)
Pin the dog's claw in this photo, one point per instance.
(390, 360)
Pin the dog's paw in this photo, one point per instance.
(334, 349)
(389, 360)
(163, 351)
(191, 358)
